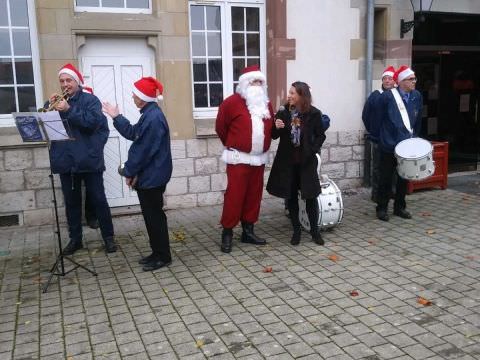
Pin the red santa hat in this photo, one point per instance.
(87, 89)
(402, 73)
(251, 73)
(71, 70)
(389, 71)
(148, 89)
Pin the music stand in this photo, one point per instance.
(49, 127)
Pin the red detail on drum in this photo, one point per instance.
(440, 176)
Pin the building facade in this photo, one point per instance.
(197, 49)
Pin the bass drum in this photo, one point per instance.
(330, 206)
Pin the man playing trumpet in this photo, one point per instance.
(81, 158)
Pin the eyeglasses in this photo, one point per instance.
(414, 79)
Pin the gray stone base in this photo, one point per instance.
(198, 178)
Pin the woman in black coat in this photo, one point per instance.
(299, 126)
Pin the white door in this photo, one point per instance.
(112, 78)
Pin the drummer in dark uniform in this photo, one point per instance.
(402, 108)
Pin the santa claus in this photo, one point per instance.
(244, 124)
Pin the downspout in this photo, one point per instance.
(368, 83)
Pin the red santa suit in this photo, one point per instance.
(245, 131)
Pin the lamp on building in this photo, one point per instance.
(418, 6)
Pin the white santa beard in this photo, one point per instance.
(257, 104)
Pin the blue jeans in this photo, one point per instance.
(72, 194)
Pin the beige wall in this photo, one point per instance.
(61, 32)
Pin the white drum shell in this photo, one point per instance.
(414, 159)
(330, 206)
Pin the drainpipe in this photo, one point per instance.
(368, 83)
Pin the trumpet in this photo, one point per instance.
(57, 99)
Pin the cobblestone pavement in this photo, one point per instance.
(212, 305)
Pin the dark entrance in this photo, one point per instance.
(446, 59)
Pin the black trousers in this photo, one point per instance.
(311, 205)
(90, 214)
(151, 203)
(374, 168)
(72, 194)
(388, 167)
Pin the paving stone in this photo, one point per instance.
(303, 309)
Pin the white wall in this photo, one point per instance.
(323, 30)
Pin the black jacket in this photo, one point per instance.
(312, 138)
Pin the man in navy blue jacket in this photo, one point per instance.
(149, 165)
(81, 158)
(372, 118)
(406, 101)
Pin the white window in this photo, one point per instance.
(20, 87)
(115, 6)
(225, 37)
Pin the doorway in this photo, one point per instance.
(109, 70)
(449, 83)
(449, 80)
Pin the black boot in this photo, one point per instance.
(72, 246)
(316, 236)
(248, 236)
(312, 212)
(297, 227)
(296, 236)
(110, 246)
(402, 213)
(227, 235)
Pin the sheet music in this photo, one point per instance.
(53, 125)
(28, 127)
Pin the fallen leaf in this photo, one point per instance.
(199, 343)
(18, 303)
(423, 301)
(267, 269)
(426, 214)
(333, 257)
(371, 242)
(37, 280)
(430, 232)
(178, 235)
(69, 357)
(465, 198)
(354, 293)
(470, 257)
(27, 322)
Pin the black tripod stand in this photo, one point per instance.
(58, 269)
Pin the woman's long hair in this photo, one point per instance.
(303, 90)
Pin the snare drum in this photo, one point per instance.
(414, 159)
(330, 206)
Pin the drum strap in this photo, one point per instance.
(402, 109)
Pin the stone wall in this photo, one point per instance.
(25, 188)
(198, 178)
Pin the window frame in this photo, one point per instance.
(226, 41)
(116, 10)
(6, 120)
